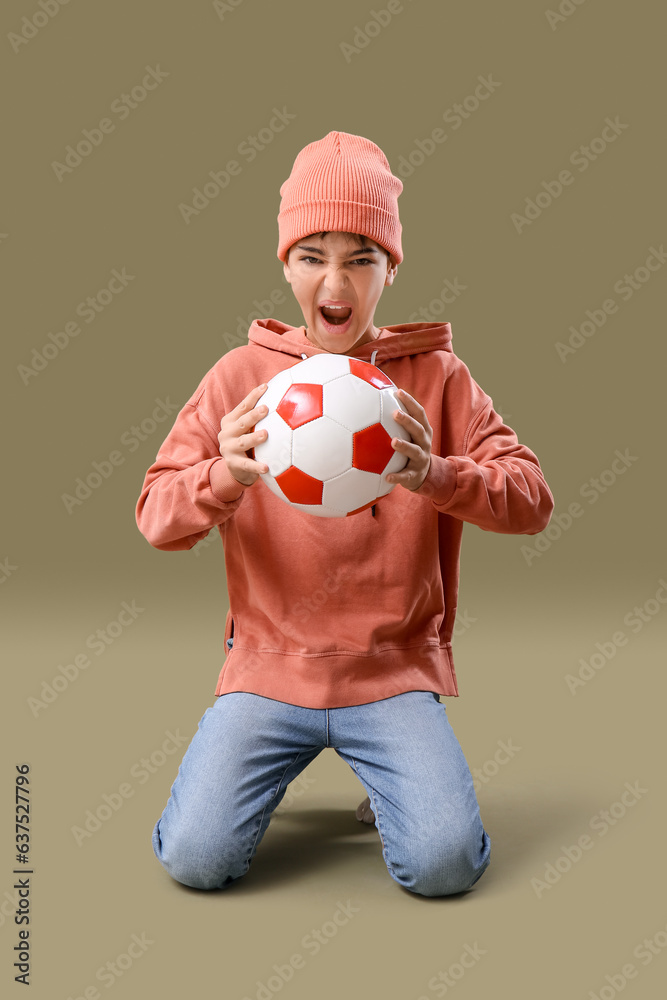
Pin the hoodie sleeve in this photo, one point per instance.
(495, 482)
(178, 504)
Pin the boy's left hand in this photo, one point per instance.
(418, 451)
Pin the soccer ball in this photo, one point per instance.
(330, 425)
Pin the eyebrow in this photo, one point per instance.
(364, 250)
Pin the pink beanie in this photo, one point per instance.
(341, 183)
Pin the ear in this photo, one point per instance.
(286, 272)
(391, 273)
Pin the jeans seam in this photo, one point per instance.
(377, 819)
(261, 818)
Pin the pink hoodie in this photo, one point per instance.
(332, 612)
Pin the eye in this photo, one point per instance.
(363, 261)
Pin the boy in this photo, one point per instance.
(339, 630)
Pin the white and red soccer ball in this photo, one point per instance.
(330, 426)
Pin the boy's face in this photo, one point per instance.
(335, 269)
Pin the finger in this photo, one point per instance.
(396, 477)
(254, 397)
(250, 400)
(248, 420)
(255, 416)
(408, 401)
(248, 441)
(418, 429)
(406, 476)
(235, 415)
(250, 464)
(413, 410)
(411, 448)
(416, 412)
(405, 420)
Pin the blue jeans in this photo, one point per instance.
(248, 748)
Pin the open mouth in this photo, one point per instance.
(335, 317)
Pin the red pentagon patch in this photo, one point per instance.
(369, 373)
(301, 402)
(371, 449)
(300, 487)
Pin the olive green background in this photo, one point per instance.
(526, 620)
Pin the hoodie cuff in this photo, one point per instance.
(224, 487)
(440, 482)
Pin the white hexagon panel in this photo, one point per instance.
(352, 401)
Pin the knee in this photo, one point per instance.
(194, 875)
(192, 865)
(442, 877)
(444, 869)
(442, 880)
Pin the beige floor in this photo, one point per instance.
(318, 870)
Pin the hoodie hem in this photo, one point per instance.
(338, 680)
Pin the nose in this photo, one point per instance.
(335, 280)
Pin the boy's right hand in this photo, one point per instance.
(236, 437)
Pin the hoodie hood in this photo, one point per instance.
(393, 342)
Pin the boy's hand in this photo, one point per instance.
(418, 450)
(236, 437)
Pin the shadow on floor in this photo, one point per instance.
(525, 822)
